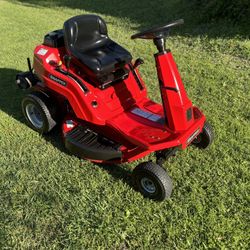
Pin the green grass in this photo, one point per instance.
(51, 200)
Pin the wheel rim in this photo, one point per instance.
(148, 185)
(34, 115)
(197, 140)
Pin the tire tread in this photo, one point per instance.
(157, 172)
(43, 101)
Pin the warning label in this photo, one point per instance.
(42, 51)
(147, 115)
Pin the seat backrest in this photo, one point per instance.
(85, 32)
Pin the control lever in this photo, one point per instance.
(67, 60)
(137, 63)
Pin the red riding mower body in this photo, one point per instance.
(88, 83)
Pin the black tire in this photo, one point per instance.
(152, 181)
(205, 138)
(39, 112)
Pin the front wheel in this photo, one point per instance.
(152, 181)
(205, 138)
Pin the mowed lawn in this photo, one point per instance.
(52, 200)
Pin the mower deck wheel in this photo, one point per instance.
(152, 181)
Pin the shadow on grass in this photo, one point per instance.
(148, 13)
(10, 103)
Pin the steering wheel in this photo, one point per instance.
(157, 32)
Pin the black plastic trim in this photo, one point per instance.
(162, 53)
(84, 88)
(189, 114)
(54, 39)
(160, 44)
(85, 143)
(162, 101)
(25, 80)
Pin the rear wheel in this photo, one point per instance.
(205, 138)
(39, 112)
(152, 181)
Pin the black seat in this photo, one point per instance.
(86, 40)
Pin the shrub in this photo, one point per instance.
(233, 10)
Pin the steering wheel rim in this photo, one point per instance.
(157, 32)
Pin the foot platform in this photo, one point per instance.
(85, 143)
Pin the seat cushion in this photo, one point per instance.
(105, 59)
(86, 39)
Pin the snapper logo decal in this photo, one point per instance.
(58, 80)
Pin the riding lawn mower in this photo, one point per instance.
(90, 86)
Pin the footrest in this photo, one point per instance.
(85, 143)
